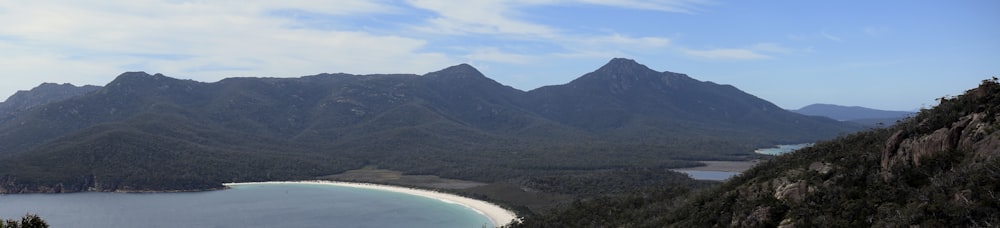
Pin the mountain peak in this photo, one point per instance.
(620, 75)
(624, 66)
(622, 61)
(457, 72)
(142, 76)
(135, 74)
(41, 95)
(461, 71)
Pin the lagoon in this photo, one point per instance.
(709, 175)
(245, 205)
(781, 149)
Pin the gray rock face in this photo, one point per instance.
(970, 133)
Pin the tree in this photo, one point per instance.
(28, 221)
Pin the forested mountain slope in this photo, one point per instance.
(153, 132)
(628, 98)
(41, 95)
(938, 169)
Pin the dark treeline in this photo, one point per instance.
(27, 221)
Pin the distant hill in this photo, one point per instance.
(42, 94)
(624, 96)
(153, 132)
(861, 115)
(939, 169)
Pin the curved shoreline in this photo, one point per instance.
(496, 214)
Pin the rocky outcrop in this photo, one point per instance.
(940, 168)
(970, 133)
(792, 193)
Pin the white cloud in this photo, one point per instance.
(60, 41)
(613, 45)
(757, 51)
(492, 54)
(91, 42)
(677, 6)
(621, 40)
(480, 17)
(500, 16)
(499, 19)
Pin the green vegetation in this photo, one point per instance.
(146, 132)
(602, 141)
(938, 169)
(27, 221)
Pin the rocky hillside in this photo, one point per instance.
(940, 168)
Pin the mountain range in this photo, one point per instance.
(856, 114)
(153, 132)
(41, 95)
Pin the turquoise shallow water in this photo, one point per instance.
(255, 205)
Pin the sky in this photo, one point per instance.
(894, 55)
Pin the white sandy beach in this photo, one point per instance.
(498, 215)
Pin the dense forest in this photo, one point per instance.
(940, 168)
(144, 132)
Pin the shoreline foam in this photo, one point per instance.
(496, 214)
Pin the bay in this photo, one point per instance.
(781, 149)
(252, 205)
(709, 175)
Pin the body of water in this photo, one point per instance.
(781, 149)
(254, 205)
(709, 175)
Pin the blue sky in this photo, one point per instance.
(896, 55)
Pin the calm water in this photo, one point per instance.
(709, 175)
(781, 149)
(257, 205)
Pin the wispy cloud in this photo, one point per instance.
(242, 38)
(757, 51)
(210, 40)
(821, 35)
(500, 16)
(677, 6)
(876, 31)
(492, 54)
(622, 40)
(478, 17)
(773, 48)
(830, 37)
